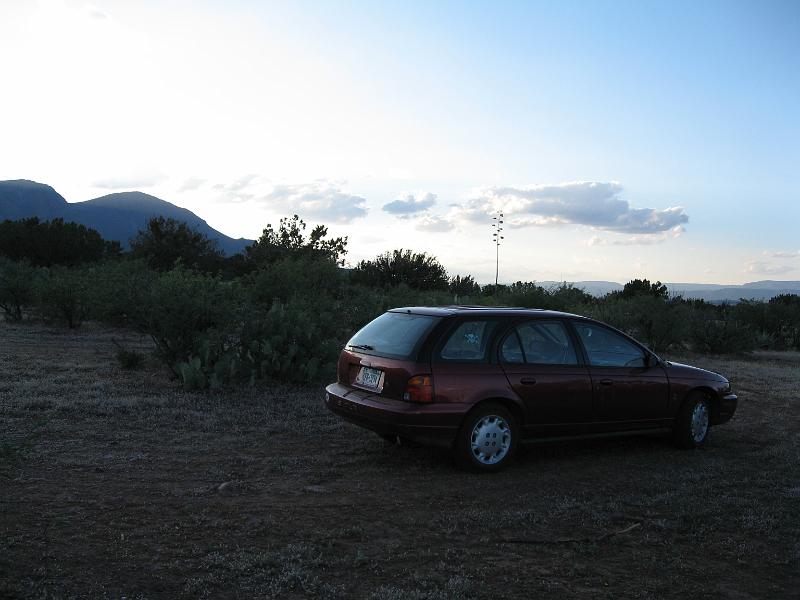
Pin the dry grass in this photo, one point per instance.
(111, 485)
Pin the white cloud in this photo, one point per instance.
(410, 204)
(237, 190)
(642, 239)
(763, 268)
(591, 203)
(435, 223)
(321, 199)
(783, 254)
(191, 184)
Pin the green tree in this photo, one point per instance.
(165, 241)
(464, 286)
(643, 287)
(419, 271)
(290, 241)
(47, 243)
(16, 287)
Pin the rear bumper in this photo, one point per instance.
(727, 408)
(435, 424)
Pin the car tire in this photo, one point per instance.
(487, 439)
(693, 422)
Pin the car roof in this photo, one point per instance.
(490, 311)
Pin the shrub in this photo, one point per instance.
(418, 271)
(180, 307)
(166, 241)
(64, 295)
(718, 333)
(47, 243)
(16, 287)
(291, 276)
(289, 241)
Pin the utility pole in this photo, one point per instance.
(496, 237)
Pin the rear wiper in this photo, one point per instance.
(362, 346)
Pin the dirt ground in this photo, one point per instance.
(118, 484)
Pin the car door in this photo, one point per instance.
(629, 390)
(544, 368)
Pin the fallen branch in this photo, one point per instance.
(605, 536)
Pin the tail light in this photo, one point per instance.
(419, 389)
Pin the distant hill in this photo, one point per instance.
(115, 216)
(710, 292)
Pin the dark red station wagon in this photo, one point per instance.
(479, 379)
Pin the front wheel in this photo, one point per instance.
(693, 422)
(487, 439)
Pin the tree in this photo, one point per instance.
(16, 287)
(48, 243)
(289, 241)
(464, 286)
(419, 271)
(643, 287)
(165, 241)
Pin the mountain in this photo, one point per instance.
(710, 292)
(22, 198)
(115, 216)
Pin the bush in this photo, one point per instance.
(296, 276)
(16, 287)
(182, 306)
(657, 323)
(418, 271)
(718, 333)
(164, 242)
(64, 295)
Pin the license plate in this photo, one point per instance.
(370, 378)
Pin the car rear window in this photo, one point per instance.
(393, 334)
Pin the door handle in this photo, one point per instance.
(606, 382)
(528, 380)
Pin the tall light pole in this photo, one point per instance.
(496, 237)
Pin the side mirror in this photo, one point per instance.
(653, 360)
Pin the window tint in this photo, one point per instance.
(469, 341)
(511, 351)
(546, 343)
(394, 335)
(607, 348)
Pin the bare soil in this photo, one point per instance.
(117, 483)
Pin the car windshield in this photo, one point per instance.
(393, 334)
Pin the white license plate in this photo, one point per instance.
(370, 378)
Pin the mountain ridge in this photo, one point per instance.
(117, 216)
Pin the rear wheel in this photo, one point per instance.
(487, 439)
(692, 424)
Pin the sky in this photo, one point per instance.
(619, 139)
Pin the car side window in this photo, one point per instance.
(469, 341)
(546, 343)
(606, 348)
(511, 351)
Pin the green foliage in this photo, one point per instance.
(463, 286)
(180, 307)
(47, 243)
(289, 241)
(643, 287)
(64, 295)
(718, 332)
(296, 275)
(165, 241)
(418, 271)
(16, 288)
(658, 323)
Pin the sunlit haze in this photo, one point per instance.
(621, 139)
